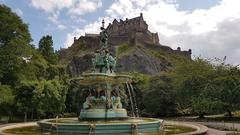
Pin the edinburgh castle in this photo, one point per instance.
(129, 40)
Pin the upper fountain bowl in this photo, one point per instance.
(103, 78)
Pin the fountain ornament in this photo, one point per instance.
(102, 111)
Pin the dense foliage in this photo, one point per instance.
(32, 83)
(194, 87)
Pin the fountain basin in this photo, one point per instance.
(130, 125)
(102, 78)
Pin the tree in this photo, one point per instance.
(6, 99)
(45, 47)
(12, 27)
(206, 87)
(14, 45)
(159, 97)
(206, 105)
(24, 93)
(229, 92)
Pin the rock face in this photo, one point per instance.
(136, 49)
(140, 61)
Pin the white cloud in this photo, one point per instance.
(90, 28)
(61, 26)
(222, 42)
(76, 7)
(54, 19)
(18, 11)
(51, 5)
(70, 37)
(82, 7)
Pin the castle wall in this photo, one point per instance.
(87, 42)
(183, 53)
(116, 40)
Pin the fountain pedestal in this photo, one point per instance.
(103, 105)
(103, 114)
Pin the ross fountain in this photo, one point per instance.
(103, 111)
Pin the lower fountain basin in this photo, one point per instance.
(130, 125)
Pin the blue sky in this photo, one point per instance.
(197, 24)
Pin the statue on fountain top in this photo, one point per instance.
(103, 62)
(103, 36)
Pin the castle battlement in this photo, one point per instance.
(136, 24)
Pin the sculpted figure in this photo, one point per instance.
(112, 62)
(103, 36)
(87, 104)
(117, 103)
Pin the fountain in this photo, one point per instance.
(103, 111)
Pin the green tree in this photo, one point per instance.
(159, 97)
(229, 92)
(6, 100)
(24, 93)
(45, 47)
(12, 27)
(14, 46)
(206, 105)
(206, 87)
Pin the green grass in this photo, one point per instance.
(124, 49)
(165, 56)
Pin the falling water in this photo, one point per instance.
(131, 101)
(134, 99)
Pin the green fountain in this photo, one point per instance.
(103, 112)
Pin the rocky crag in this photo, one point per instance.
(136, 48)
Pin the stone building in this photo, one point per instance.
(135, 28)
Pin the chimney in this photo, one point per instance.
(190, 51)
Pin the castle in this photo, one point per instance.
(128, 30)
(135, 27)
(132, 31)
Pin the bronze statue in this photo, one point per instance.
(103, 62)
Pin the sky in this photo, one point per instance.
(209, 27)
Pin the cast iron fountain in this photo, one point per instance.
(103, 112)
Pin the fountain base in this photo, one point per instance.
(93, 114)
(130, 125)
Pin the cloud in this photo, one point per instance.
(219, 43)
(18, 12)
(70, 37)
(82, 7)
(54, 19)
(61, 26)
(51, 5)
(76, 7)
(90, 28)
